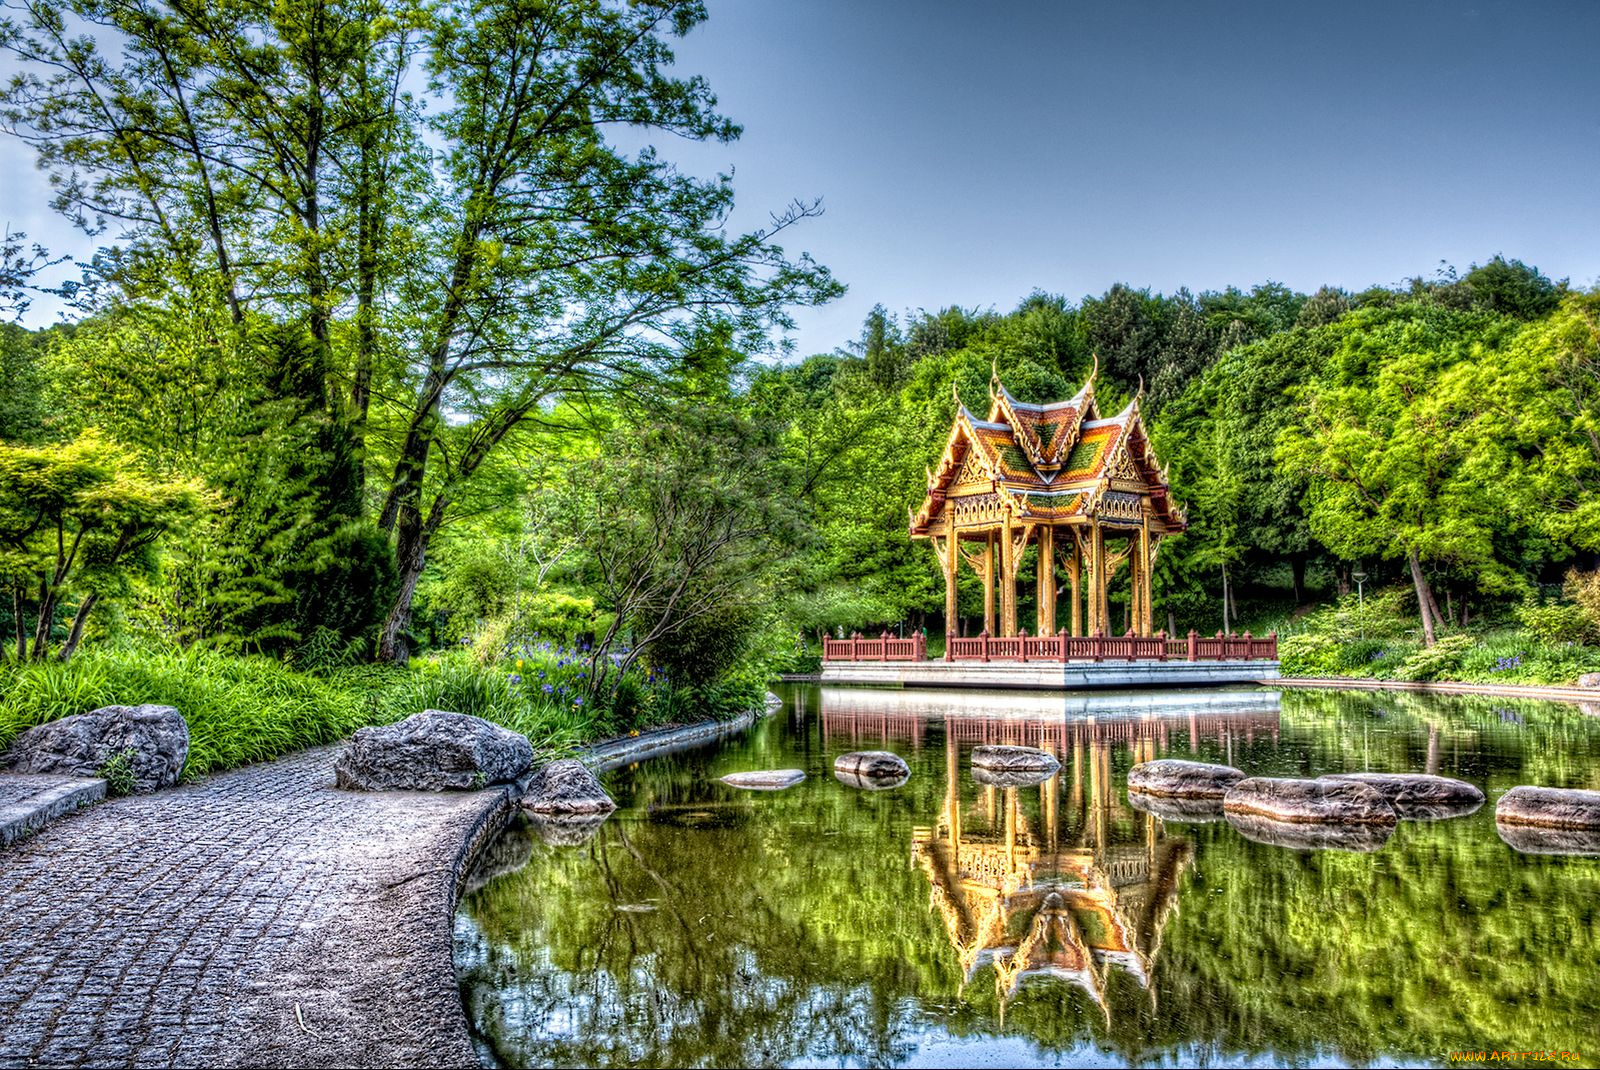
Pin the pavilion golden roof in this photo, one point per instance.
(1053, 462)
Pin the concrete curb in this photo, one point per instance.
(1534, 691)
(30, 801)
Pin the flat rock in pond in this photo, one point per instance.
(1012, 778)
(1310, 836)
(1181, 779)
(1559, 808)
(1420, 796)
(1535, 840)
(150, 743)
(566, 787)
(872, 764)
(1333, 802)
(1190, 810)
(765, 779)
(999, 759)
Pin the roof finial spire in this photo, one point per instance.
(955, 392)
(1095, 371)
(1140, 392)
(994, 379)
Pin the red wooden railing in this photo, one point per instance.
(1060, 647)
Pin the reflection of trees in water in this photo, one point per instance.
(704, 929)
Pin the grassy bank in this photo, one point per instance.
(251, 709)
(1382, 641)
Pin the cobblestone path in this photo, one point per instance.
(257, 918)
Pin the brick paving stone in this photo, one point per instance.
(260, 917)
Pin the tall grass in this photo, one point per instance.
(239, 709)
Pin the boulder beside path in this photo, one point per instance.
(1183, 779)
(147, 744)
(434, 750)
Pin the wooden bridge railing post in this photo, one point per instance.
(1161, 637)
(1061, 644)
(1099, 644)
(983, 645)
(1194, 645)
(922, 647)
(1022, 644)
(1248, 651)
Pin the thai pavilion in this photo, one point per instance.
(1086, 491)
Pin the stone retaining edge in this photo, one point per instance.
(1538, 691)
(65, 798)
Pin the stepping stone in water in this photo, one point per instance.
(1192, 811)
(872, 764)
(1558, 808)
(1420, 796)
(765, 779)
(1013, 760)
(1308, 835)
(1181, 779)
(1333, 802)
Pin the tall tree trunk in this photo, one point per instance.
(79, 619)
(17, 622)
(1297, 569)
(1225, 600)
(412, 535)
(1424, 596)
(1440, 621)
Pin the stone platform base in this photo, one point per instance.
(1048, 675)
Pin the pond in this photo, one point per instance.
(946, 923)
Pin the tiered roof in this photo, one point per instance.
(1047, 462)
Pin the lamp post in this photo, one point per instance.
(1361, 600)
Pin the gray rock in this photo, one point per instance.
(1534, 840)
(1589, 679)
(150, 742)
(1310, 836)
(566, 787)
(872, 765)
(1013, 778)
(1334, 802)
(1186, 809)
(432, 751)
(998, 759)
(1558, 808)
(1420, 796)
(765, 779)
(1181, 779)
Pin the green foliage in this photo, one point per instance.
(1554, 622)
(1442, 661)
(117, 772)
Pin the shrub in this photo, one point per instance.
(1440, 660)
(1583, 588)
(1554, 622)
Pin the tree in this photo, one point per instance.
(461, 256)
(74, 519)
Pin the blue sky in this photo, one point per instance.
(969, 153)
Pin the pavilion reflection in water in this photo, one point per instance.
(1072, 884)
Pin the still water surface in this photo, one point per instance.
(948, 923)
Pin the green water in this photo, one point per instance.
(825, 925)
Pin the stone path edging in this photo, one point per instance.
(259, 917)
(30, 801)
(1535, 691)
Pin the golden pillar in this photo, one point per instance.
(1075, 573)
(1097, 578)
(988, 583)
(1008, 580)
(1147, 619)
(948, 560)
(1047, 580)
